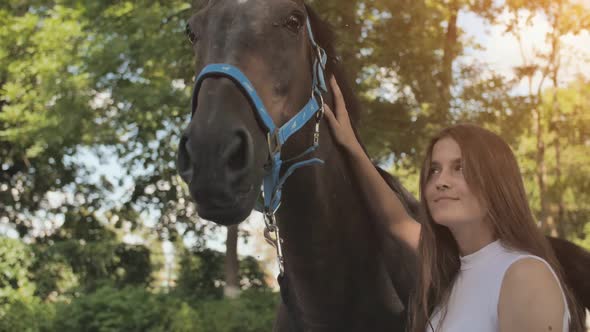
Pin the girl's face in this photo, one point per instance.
(450, 201)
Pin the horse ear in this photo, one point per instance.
(322, 31)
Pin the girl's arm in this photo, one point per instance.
(530, 298)
(384, 203)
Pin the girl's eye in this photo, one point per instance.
(459, 168)
(433, 170)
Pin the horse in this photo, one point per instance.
(342, 272)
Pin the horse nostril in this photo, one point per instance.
(184, 164)
(238, 154)
(238, 157)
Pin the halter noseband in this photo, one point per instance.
(277, 137)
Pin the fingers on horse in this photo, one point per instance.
(340, 106)
(330, 115)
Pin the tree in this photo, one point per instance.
(202, 276)
(44, 108)
(564, 18)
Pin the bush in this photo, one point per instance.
(135, 309)
(15, 278)
(19, 309)
(27, 277)
(201, 276)
(585, 242)
(27, 314)
(110, 309)
(253, 311)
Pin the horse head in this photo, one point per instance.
(224, 152)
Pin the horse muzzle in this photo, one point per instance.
(219, 174)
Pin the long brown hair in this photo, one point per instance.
(492, 174)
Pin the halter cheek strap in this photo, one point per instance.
(276, 137)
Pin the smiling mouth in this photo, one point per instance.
(445, 199)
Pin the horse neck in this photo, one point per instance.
(322, 207)
(330, 246)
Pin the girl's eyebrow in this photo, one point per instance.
(454, 161)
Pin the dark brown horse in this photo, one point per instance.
(342, 272)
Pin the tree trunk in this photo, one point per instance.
(555, 216)
(560, 220)
(541, 172)
(446, 80)
(232, 267)
(558, 225)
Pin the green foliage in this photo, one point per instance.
(54, 276)
(147, 84)
(585, 240)
(253, 311)
(201, 275)
(66, 266)
(44, 107)
(28, 314)
(112, 309)
(15, 260)
(76, 265)
(15, 279)
(85, 292)
(567, 133)
(19, 309)
(135, 309)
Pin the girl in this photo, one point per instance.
(484, 265)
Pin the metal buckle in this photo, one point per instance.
(273, 236)
(318, 117)
(320, 56)
(320, 112)
(274, 144)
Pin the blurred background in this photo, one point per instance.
(98, 232)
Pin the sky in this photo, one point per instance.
(502, 53)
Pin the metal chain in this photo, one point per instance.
(273, 237)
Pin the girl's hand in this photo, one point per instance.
(338, 120)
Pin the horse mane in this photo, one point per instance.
(398, 260)
(324, 35)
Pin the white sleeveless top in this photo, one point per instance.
(473, 304)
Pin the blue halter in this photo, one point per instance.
(273, 182)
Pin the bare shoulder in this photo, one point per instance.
(530, 298)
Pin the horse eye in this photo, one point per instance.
(294, 22)
(192, 37)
